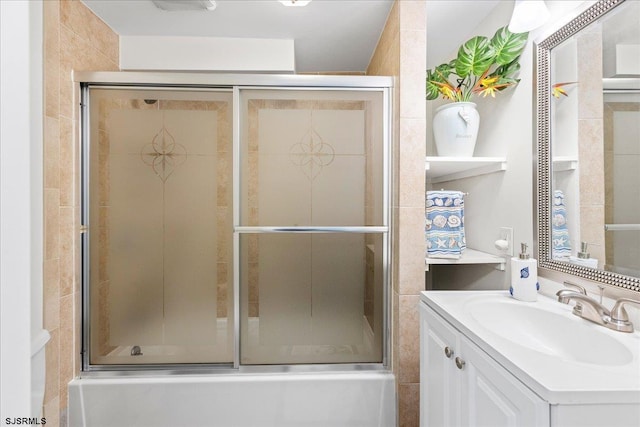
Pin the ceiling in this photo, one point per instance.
(329, 35)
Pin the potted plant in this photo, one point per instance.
(483, 67)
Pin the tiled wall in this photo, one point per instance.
(74, 39)
(401, 52)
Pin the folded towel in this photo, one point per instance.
(561, 243)
(444, 224)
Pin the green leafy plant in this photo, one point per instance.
(483, 67)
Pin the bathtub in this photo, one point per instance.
(321, 399)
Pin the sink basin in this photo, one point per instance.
(560, 335)
(563, 358)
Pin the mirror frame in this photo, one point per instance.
(542, 162)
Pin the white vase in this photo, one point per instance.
(455, 128)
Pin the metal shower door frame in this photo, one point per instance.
(236, 83)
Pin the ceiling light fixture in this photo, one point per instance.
(528, 15)
(295, 2)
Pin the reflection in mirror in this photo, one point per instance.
(589, 145)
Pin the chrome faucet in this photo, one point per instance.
(577, 309)
(619, 315)
(585, 307)
(590, 309)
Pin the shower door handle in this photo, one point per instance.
(312, 229)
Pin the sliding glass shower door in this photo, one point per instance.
(234, 226)
(312, 226)
(160, 191)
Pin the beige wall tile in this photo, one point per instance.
(51, 13)
(386, 59)
(591, 229)
(409, 340)
(51, 152)
(51, 57)
(411, 174)
(77, 250)
(411, 251)
(51, 294)
(401, 52)
(52, 87)
(598, 252)
(102, 38)
(395, 334)
(51, 223)
(67, 347)
(413, 62)
(66, 251)
(77, 340)
(592, 183)
(591, 161)
(590, 95)
(409, 405)
(52, 366)
(395, 244)
(413, 15)
(67, 165)
(69, 46)
(74, 16)
(52, 412)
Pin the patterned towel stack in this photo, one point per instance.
(444, 225)
(559, 231)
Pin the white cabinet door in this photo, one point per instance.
(439, 388)
(492, 397)
(461, 386)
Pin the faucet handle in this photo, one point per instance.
(618, 312)
(578, 288)
(570, 288)
(620, 317)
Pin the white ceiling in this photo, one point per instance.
(329, 35)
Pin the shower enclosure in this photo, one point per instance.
(234, 222)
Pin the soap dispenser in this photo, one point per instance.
(584, 257)
(524, 276)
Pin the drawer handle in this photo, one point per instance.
(460, 363)
(448, 352)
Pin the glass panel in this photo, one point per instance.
(160, 227)
(622, 175)
(311, 158)
(311, 298)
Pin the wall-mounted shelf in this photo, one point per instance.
(469, 256)
(564, 163)
(442, 169)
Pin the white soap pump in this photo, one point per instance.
(584, 258)
(524, 276)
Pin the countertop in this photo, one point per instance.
(557, 379)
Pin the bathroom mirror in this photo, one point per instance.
(588, 145)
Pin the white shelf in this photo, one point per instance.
(442, 169)
(469, 256)
(564, 163)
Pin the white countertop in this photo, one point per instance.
(557, 379)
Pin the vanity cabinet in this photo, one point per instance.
(478, 366)
(460, 385)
